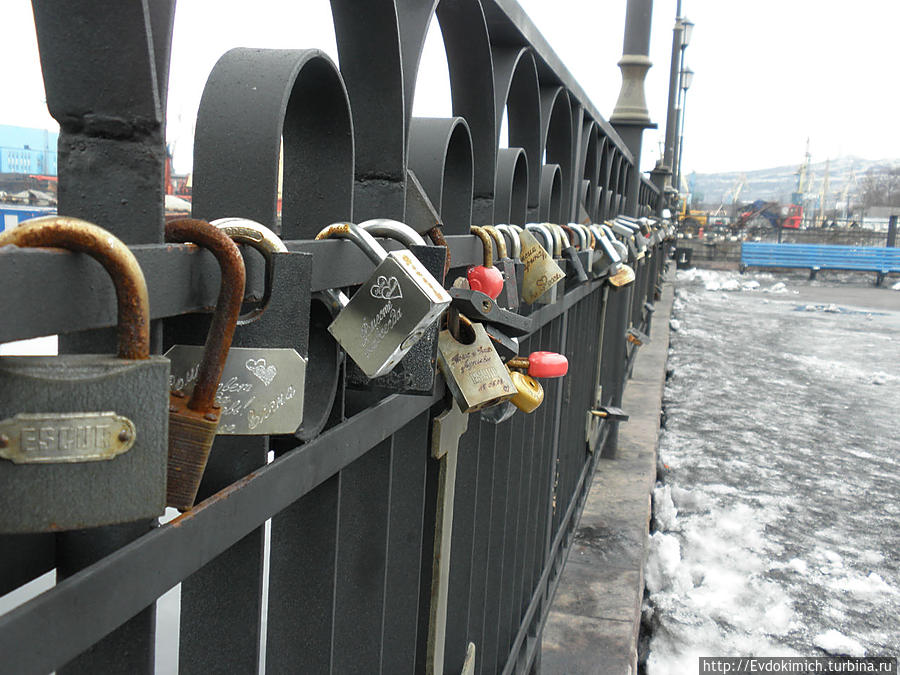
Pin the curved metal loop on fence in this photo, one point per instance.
(518, 94)
(440, 153)
(253, 99)
(558, 140)
(511, 187)
(551, 194)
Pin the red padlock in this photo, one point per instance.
(541, 364)
(485, 278)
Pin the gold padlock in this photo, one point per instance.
(529, 392)
(474, 372)
(193, 421)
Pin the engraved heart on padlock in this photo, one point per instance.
(386, 288)
(262, 370)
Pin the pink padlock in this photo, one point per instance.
(541, 364)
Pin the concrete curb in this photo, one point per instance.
(595, 616)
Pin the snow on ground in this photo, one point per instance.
(776, 516)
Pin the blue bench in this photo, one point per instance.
(815, 257)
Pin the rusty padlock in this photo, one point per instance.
(83, 436)
(193, 420)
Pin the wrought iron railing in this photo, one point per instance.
(341, 580)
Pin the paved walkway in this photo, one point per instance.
(595, 617)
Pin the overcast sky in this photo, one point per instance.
(769, 73)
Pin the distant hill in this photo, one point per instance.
(777, 184)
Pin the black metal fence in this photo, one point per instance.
(341, 580)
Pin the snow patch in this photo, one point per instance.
(835, 642)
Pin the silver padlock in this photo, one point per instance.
(84, 437)
(472, 368)
(586, 245)
(509, 296)
(391, 310)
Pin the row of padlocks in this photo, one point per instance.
(83, 437)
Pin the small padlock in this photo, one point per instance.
(474, 372)
(606, 257)
(82, 436)
(485, 277)
(193, 420)
(585, 245)
(509, 296)
(390, 311)
(529, 392)
(541, 364)
(575, 268)
(262, 388)
(542, 273)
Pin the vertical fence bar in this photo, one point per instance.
(405, 553)
(361, 561)
(301, 583)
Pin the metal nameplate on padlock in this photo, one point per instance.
(474, 372)
(261, 390)
(541, 272)
(386, 316)
(53, 438)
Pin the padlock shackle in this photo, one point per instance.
(608, 248)
(515, 244)
(393, 229)
(260, 237)
(575, 230)
(486, 244)
(131, 289)
(499, 241)
(358, 236)
(228, 305)
(588, 236)
(565, 242)
(546, 234)
(557, 239)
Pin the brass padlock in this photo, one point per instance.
(474, 372)
(529, 392)
(391, 311)
(83, 436)
(541, 272)
(193, 420)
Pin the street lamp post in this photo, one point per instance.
(686, 27)
(687, 77)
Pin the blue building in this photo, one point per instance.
(29, 151)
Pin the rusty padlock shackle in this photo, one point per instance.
(592, 241)
(571, 233)
(79, 235)
(578, 230)
(260, 237)
(486, 244)
(228, 304)
(393, 229)
(515, 244)
(499, 241)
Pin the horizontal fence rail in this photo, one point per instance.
(315, 552)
